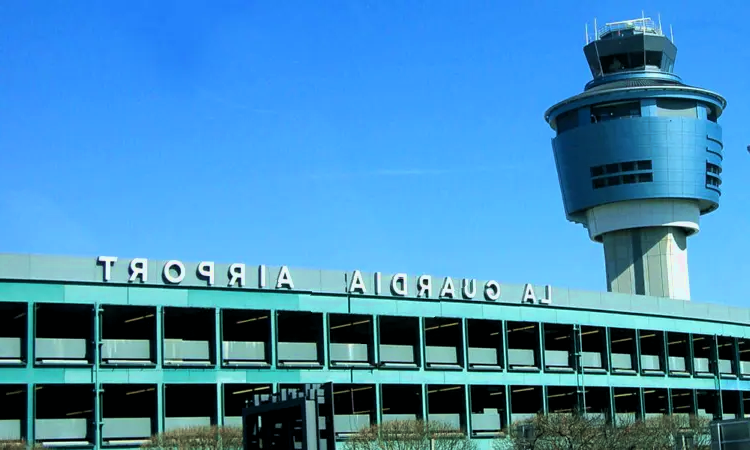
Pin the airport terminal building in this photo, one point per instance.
(107, 351)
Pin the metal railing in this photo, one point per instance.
(643, 25)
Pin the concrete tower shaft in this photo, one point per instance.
(639, 156)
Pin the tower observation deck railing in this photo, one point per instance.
(644, 25)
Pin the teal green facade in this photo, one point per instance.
(590, 349)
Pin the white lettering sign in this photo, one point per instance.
(424, 286)
(107, 262)
(173, 272)
(492, 290)
(529, 297)
(447, 290)
(206, 272)
(177, 267)
(357, 286)
(284, 280)
(138, 268)
(237, 275)
(399, 285)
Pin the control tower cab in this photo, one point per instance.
(639, 157)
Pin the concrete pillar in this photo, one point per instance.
(647, 261)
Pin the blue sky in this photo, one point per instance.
(374, 135)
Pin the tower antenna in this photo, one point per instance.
(660, 31)
(643, 31)
(587, 33)
(596, 31)
(671, 33)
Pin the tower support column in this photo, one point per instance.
(647, 261)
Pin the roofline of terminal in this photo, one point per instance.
(69, 275)
(588, 97)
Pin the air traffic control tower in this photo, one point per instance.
(638, 156)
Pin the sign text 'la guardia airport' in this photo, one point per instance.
(173, 272)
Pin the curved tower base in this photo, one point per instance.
(647, 261)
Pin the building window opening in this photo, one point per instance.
(189, 405)
(485, 344)
(300, 338)
(64, 414)
(129, 413)
(562, 400)
(730, 401)
(599, 183)
(13, 325)
(653, 59)
(708, 404)
(351, 340)
(246, 337)
(703, 355)
(401, 402)
(13, 413)
(673, 107)
(399, 341)
(711, 114)
(612, 111)
(594, 349)
(128, 335)
(726, 350)
(656, 403)
(559, 347)
(64, 334)
(189, 336)
(353, 408)
(597, 171)
(622, 343)
(488, 411)
(446, 405)
(713, 168)
(743, 346)
(616, 63)
(523, 346)
(597, 403)
(627, 405)
(678, 346)
(443, 343)
(682, 404)
(652, 352)
(566, 121)
(645, 177)
(237, 396)
(525, 403)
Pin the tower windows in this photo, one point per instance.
(712, 176)
(711, 114)
(611, 111)
(615, 174)
(567, 121)
(633, 61)
(674, 107)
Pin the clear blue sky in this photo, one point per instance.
(374, 135)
